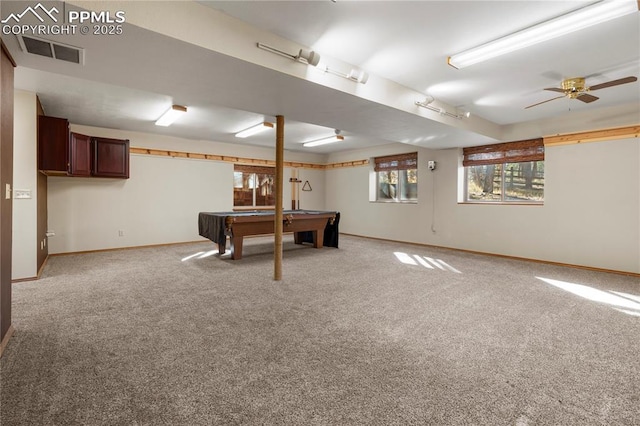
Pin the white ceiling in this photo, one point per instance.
(127, 81)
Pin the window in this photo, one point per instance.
(397, 177)
(507, 172)
(253, 186)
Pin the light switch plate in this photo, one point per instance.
(22, 193)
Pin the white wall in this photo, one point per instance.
(161, 200)
(348, 192)
(313, 199)
(590, 217)
(600, 222)
(25, 244)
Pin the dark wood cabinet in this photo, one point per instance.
(72, 154)
(110, 157)
(53, 144)
(79, 155)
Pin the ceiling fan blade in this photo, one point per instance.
(555, 89)
(614, 83)
(543, 102)
(585, 97)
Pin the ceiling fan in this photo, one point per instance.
(574, 88)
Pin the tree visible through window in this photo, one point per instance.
(508, 172)
(253, 186)
(397, 177)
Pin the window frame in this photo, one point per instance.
(502, 154)
(400, 163)
(255, 171)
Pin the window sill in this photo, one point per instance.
(502, 203)
(394, 202)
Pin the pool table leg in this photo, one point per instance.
(318, 237)
(236, 246)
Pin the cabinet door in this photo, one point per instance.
(79, 155)
(111, 158)
(53, 143)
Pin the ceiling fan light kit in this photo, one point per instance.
(587, 16)
(573, 86)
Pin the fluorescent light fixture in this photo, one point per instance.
(582, 18)
(427, 104)
(304, 56)
(171, 115)
(254, 130)
(324, 141)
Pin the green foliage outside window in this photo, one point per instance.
(507, 182)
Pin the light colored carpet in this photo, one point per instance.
(353, 335)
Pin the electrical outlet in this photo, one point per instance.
(121, 233)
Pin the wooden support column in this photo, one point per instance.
(277, 258)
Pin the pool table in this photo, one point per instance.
(317, 227)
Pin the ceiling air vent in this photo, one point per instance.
(51, 49)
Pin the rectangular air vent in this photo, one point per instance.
(51, 49)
